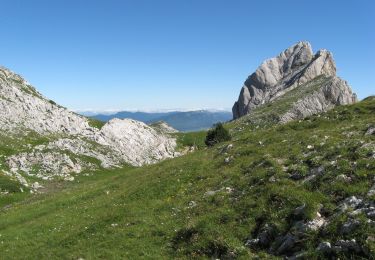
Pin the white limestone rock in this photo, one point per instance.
(332, 93)
(137, 143)
(292, 68)
(22, 107)
(70, 138)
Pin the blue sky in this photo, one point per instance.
(159, 54)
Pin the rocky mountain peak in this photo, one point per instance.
(293, 67)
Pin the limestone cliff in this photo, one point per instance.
(291, 69)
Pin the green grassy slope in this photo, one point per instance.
(199, 206)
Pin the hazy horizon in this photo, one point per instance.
(114, 111)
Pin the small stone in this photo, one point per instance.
(349, 226)
(356, 212)
(229, 189)
(192, 204)
(371, 214)
(350, 202)
(324, 247)
(227, 148)
(370, 131)
(371, 192)
(272, 179)
(35, 186)
(347, 246)
(344, 178)
(251, 243)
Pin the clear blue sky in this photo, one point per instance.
(159, 54)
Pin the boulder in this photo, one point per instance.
(324, 247)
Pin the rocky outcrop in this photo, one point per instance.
(292, 68)
(69, 143)
(23, 107)
(331, 93)
(132, 138)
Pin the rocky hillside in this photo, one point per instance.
(296, 67)
(43, 140)
(300, 190)
(304, 189)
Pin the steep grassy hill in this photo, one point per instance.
(215, 202)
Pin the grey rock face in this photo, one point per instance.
(332, 93)
(22, 106)
(293, 67)
(131, 138)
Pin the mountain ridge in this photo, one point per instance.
(195, 120)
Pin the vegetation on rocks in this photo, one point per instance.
(95, 123)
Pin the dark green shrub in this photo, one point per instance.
(216, 135)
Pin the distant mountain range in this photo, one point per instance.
(182, 121)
